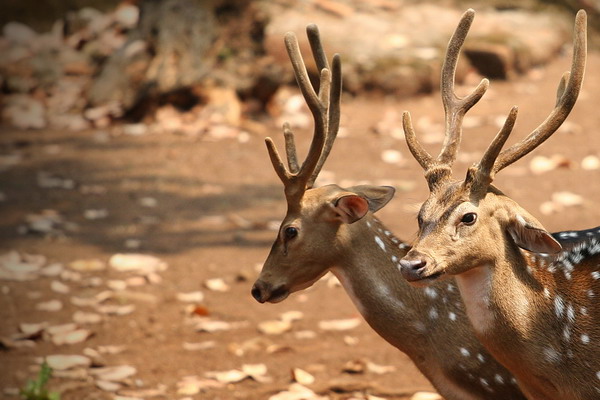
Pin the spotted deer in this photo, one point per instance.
(531, 302)
(331, 228)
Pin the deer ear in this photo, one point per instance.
(350, 208)
(376, 196)
(529, 237)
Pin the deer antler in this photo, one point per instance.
(569, 86)
(455, 109)
(325, 108)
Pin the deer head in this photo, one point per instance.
(301, 253)
(470, 223)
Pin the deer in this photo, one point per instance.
(531, 302)
(331, 228)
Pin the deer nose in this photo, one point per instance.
(412, 269)
(412, 264)
(259, 291)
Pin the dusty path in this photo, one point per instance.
(212, 216)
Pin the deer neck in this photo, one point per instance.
(369, 273)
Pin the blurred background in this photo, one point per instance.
(137, 200)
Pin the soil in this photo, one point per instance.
(217, 202)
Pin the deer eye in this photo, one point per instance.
(290, 232)
(469, 218)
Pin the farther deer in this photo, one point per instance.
(333, 229)
(532, 304)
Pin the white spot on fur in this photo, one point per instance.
(596, 275)
(551, 355)
(452, 316)
(433, 313)
(480, 357)
(380, 243)
(431, 292)
(585, 339)
(546, 293)
(559, 306)
(499, 379)
(571, 313)
(465, 352)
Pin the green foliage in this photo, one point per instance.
(36, 389)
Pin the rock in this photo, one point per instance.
(18, 33)
(63, 362)
(127, 15)
(24, 112)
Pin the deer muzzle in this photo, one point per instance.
(263, 291)
(418, 269)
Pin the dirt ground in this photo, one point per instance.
(217, 203)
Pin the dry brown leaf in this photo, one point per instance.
(380, 369)
(302, 377)
(81, 317)
(231, 376)
(59, 287)
(72, 337)
(114, 374)
(191, 297)
(590, 163)
(339, 324)
(139, 263)
(297, 391)
(209, 344)
(87, 265)
(274, 327)
(50, 305)
(108, 386)
(191, 385)
(426, 396)
(216, 285)
(354, 367)
(63, 362)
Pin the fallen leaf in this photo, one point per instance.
(274, 327)
(209, 344)
(81, 317)
(191, 385)
(140, 263)
(380, 369)
(114, 374)
(108, 386)
(51, 305)
(76, 336)
(87, 265)
(590, 163)
(231, 376)
(354, 367)
(339, 324)
(59, 287)
(291, 316)
(63, 362)
(391, 156)
(302, 377)
(32, 330)
(191, 297)
(567, 199)
(62, 328)
(426, 396)
(297, 391)
(216, 285)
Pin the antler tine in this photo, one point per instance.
(567, 93)
(455, 108)
(290, 148)
(481, 175)
(334, 114)
(418, 152)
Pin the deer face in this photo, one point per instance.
(313, 236)
(460, 230)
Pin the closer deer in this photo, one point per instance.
(333, 229)
(532, 305)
